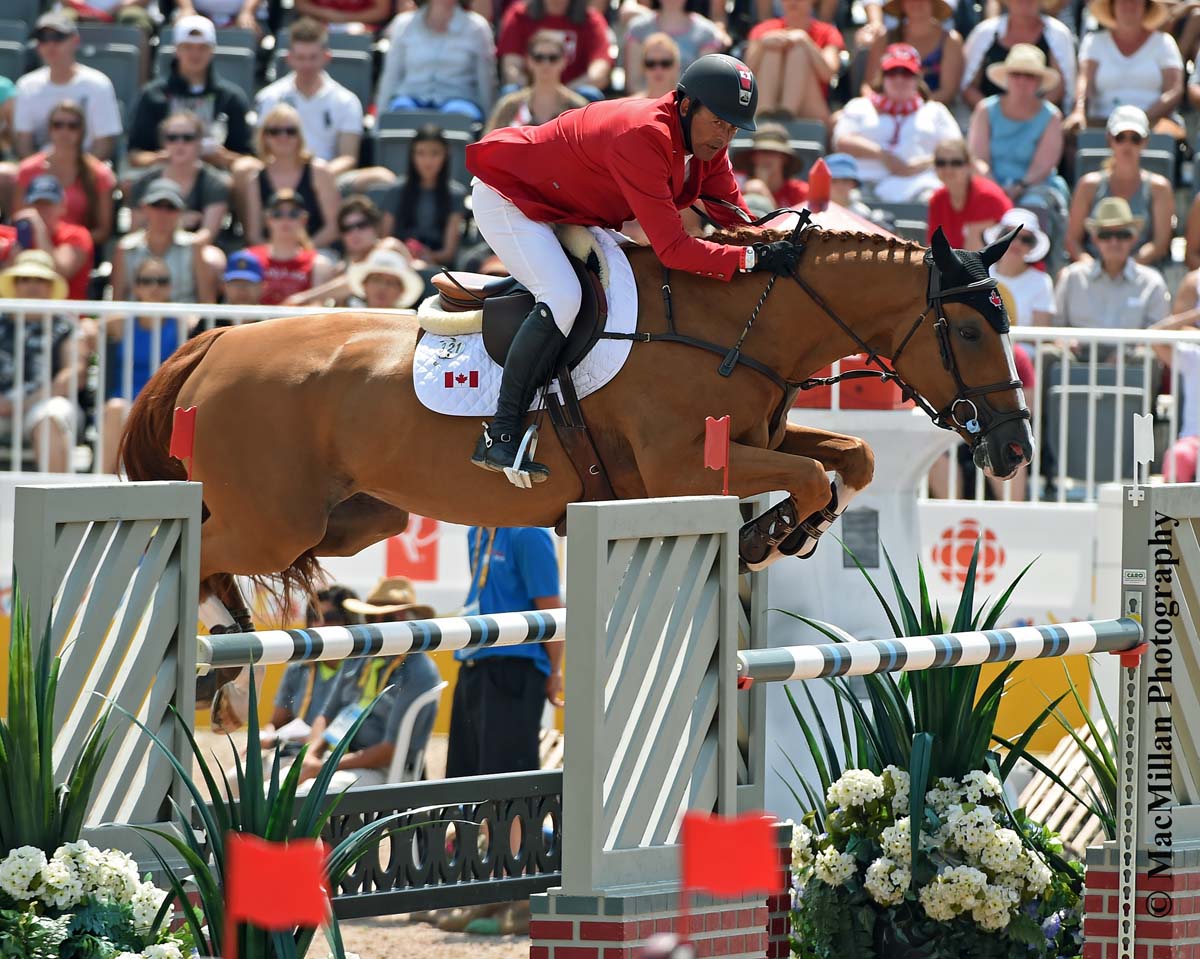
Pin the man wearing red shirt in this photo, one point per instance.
(584, 33)
(602, 165)
(70, 245)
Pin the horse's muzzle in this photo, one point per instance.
(1005, 450)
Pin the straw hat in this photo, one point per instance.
(1028, 222)
(388, 263)
(1155, 15)
(1023, 58)
(1113, 212)
(941, 9)
(33, 265)
(393, 594)
(768, 138)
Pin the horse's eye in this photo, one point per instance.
(968, 333)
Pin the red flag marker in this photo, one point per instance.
(273, 885)
(820, 186)
(183, 436)
(716, 447)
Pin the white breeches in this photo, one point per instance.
(531, 252)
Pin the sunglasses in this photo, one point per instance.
(353, 225)
(658, 64)
(289, 213)
(1105, 235)
(281, 131)
(1128, 137)
(164, 205)
(180, 137)
(50, 36)
(1026, 240)
(65, 125)
(545, 57)
(940, 162)
(154, 281)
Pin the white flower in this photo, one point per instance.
(954, 891)
(995, 909)
(978, 786)
(20, 870)
(833, 868)
(897, 841)
(971, 830)
(901, 783)
(162, 950)
(145, 904)
(1037, 874)
(857, 787)
(1002, 852)
(944, 795)
(802, 842)
(61, 887)
(886, 881)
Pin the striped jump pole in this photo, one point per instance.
(323, 643)
(785, 663)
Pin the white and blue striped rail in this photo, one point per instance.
(785, 663)
(268, 647)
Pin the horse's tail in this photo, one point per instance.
(147, 437)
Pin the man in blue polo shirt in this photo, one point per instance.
(501, 691)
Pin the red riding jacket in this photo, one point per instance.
(613, 161)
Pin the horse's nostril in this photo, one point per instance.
(1016, 453)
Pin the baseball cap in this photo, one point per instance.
(243, 265)
(901, 56)
(842, 166)
(163, 189)
(56, 21)
(1129, 118)
(195, 29)
(44, 187)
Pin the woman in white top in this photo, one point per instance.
(442, 57)
(1032, 290)
(894, 133)
(1023, 22)
(1129, 61)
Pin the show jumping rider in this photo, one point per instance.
(601, 165)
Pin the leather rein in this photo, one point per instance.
(962, 412)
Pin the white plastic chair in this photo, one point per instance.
(400, 770)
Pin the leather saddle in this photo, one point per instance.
(506, 303)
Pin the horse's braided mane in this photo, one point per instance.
(746, 236)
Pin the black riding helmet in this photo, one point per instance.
(723, 84)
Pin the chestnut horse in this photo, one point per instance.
(310, 440)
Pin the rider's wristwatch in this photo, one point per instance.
(748, 259)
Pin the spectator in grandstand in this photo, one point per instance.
(397, 680)
(385, 281)
(360, 226)
(1129, 62)
(441, 57)
(8, 93)
(546, 96)
(87, 182)
(693, 35)
(427, 210)
(1031, 289)
(1113, 291)
(223, 13)
(290, 262)
(351, 16)
(588, 68)
(1179, 461)
(1016, 137)
(844, 183)
(893, 132)
(1191, 233)
(193, 85)
(1150, 195)
(991, 41)
(48, 410)
(137, 345)
(287, 164)
(68, 244)
(771, 166)
(660, 62)
(243, 279)
(194, 265)
(794, 57)
(39, 92)
(966, 204)
(205, 190)
(134, 13)
(330, 115)
(921, 24)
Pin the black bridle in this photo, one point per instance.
(969, 410)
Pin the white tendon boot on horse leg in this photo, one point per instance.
(803, 542)
(231, 702)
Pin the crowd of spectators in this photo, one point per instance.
(336, 177)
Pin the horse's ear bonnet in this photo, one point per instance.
(965, 278)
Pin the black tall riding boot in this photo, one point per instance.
(531, 360)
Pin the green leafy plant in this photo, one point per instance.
(35, 810)
(268, 809)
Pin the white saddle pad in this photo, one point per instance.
(454, 374)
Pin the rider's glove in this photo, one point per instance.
(779, 257)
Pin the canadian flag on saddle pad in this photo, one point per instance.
(470, 379)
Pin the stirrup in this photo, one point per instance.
(519, 477)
